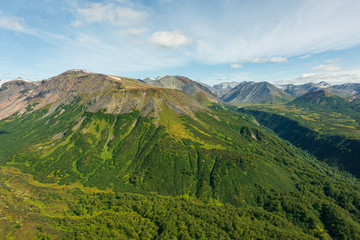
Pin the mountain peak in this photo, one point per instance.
(77, 71)
(96, 91)
(226, 85)
(321, 98)
(198, 91)
(324, 84)
(256, 92)
(2, 81)
(318, 94)
(223, 88)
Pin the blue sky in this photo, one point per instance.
(282, 41)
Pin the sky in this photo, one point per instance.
(212, 41)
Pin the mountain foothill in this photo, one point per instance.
(95, 156)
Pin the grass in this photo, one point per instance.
(104, 178)
(322, 121)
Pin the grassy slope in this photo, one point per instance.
(331, 135)
(326, 122)
(33, 210)
(129, 153)
(224, 158)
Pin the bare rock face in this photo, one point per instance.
(223, 88)
(346, 90)
(95, 91)
(256, 92)
(14, 96)
(198, 91)
(18, 83)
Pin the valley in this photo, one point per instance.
(133, 119)
(93, 156)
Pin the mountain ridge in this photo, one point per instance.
(198, 91)
(256, 92)
(147, 144)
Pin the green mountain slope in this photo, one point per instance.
(322, 100)
(319, 122)
(122, 135)
(32, 210)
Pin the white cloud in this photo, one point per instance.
(333, 78)
(278, 59)
(137, 31)
(333, 60)
(263, 60)
(328, 68)
(12, 23)
(116, 15)
(76, 23)
(305, 56)
(170, 39)
(299, 29)
(236, 65)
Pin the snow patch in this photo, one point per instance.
(79, 70)
(117, 78)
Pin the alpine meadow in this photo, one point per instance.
(198, 120)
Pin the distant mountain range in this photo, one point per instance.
(223, 88)
(253, 92)
(127, 142)
(198, 91)
(346, 90)
(324, 100)
(232, 92)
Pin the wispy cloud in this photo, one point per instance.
(327, 68)
(306, 27)
(110, 13)
(263, 60)
(329, 78)
(333, 60)
(170, 39)
(137, 31)
(15, 24)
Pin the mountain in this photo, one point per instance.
(317, 97)
(352, 89)
(13, 97)
(198, 91)
(2, 81)
(17, 83)
(256, 92)
(322, 99)
(119, 133)
(89, 155)
(298, 90)
(320, 122)
(96, 91)
(223, 88)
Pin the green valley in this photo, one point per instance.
(325, 125)
(92, 156)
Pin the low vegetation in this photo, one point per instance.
(216, 174)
